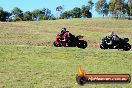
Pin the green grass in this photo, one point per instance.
(29, 60)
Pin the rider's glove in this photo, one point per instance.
(109, 43)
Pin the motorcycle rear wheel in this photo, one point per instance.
(126, 47)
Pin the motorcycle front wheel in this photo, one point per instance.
(82, 44)
(56, 45)
(101, 46)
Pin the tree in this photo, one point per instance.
(112, 6)
(36, 14)
(118, 7)
(16, 11)
(42, 17)
(66, 15)
(1, 9)
(90, 4)
(4, 15)
(52, 17)
(85, 12)
(17, 14)
(43, 10)
(27, 16)
(60, 10)
(44, 14)
(127, 9)
(102, 7)
(76, 12)
(130, 7)
(48, 12)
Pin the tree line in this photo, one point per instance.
(115, 8)
(76, 12)
(17, 14)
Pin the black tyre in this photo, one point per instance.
(56, 45)
(82, 44)
(101, 46)
(81, 80)
(126, 47)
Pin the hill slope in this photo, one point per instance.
(28, 58)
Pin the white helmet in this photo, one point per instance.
(111, 33)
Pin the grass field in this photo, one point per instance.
(29, 60)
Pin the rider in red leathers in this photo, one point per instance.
(66, 38)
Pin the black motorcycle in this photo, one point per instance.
(121, 44)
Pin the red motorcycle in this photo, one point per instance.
(73, 42)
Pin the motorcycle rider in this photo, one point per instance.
(113, 39)
(110, 38)
(65, 36)
(63, 31)
(59, 36)
(116, 41)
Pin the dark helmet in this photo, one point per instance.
(63, 30)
